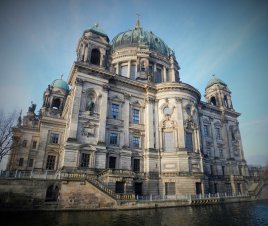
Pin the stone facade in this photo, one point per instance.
(128, 111)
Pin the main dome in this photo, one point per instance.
(139, 37)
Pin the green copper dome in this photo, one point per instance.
(215, 80)
(98, 31)
(138, 36)
(59, 83)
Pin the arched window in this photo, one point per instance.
(213, 101)
(56, 103)
(95, 57)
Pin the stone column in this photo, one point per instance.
(103, 113)
(117, 68)
(164, 74)
(129, 65)
(86, 53)
(180, 138)
(75, 105)
(83, 52)
(125, 117)
(149, 126)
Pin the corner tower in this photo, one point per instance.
(93, 47)
(218, 94)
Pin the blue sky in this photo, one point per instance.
(227, 38)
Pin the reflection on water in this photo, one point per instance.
(241, 214)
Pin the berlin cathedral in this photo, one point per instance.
(125, 115)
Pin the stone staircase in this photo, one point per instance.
(94, 180)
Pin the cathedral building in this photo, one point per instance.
(125, 115)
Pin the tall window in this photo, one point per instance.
(189, 141)
(211, 170)
(34, 144)
(30, 163)
(136, 142)
(158, 75)
(21, 162)
(136, 165)
(228, 188)
(206, 130)
(113, 138)
(95, 57)
(223, 170)
(133, 71)
(115, 111)
(24, 143)
(169, 141)
(112, 162)
(54, 138)
(136, 116)
(218, 133)
(50, 162)
(208, 151)
(84, 160)
(124, 70)
(221, 153)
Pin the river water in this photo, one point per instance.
(240, 214)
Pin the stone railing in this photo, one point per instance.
(195, 199)
(27, 174)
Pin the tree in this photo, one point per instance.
(7, 122)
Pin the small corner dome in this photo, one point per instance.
(97, 31)
(61, 84)
(215, 80)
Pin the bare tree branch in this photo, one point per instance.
(7, 122)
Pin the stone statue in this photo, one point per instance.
(90, 104)
(46, 96)
(19, 120)
(32, 107)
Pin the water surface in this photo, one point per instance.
(240, 214)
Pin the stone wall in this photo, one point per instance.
(83, 195)
(31, 194)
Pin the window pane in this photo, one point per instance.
(136, 165)
(113, 138)
(54, 138)
(169, 141)
(124, 70)
(133, 71)
(115, 111)
(21, 162)
(189, 141)
(205, 130)
(136, 142)
(31, 163)
(85, 160)
(158, 75)
(34, 144)
(218, 133)
(136, 116)
(50, 162)
(112, 162)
